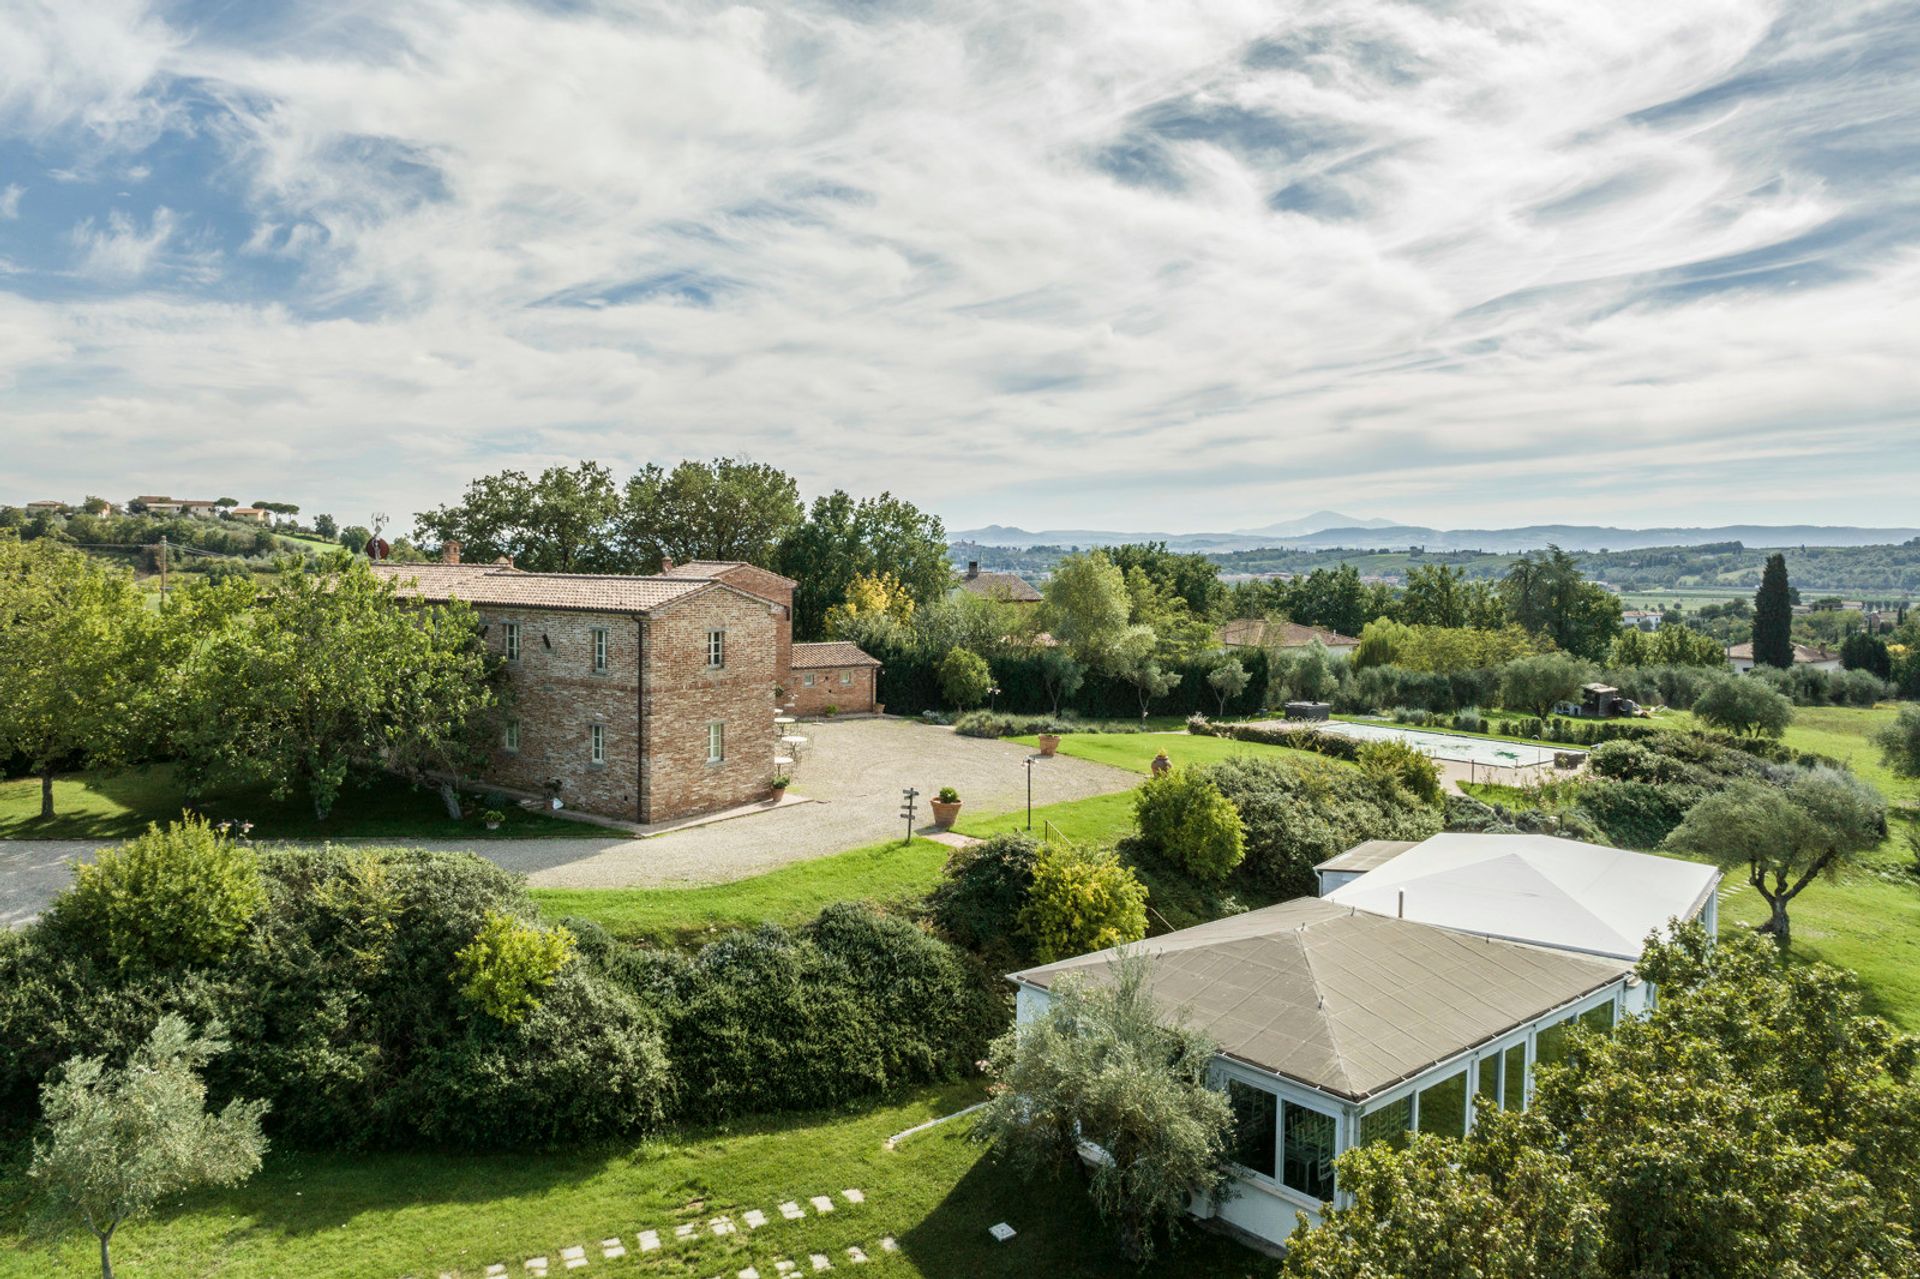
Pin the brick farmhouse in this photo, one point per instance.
(836, 676)
(642, 698)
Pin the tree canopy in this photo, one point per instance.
(1547, 594)
(843, 539)
(1773, 616)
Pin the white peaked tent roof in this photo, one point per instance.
(1535, 888)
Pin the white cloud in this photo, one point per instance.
(10, 201)
(1403, 260)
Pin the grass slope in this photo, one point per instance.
(886, 873)
(115, 805)
(350, 1216)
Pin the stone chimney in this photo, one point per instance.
(450, 551)
(973, 569)
(666, 563)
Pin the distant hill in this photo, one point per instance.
(1357, 534)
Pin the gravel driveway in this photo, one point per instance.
(854, 769)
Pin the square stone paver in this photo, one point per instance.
(887, 1244)
(784, 1267)
(496, 1270)
(721, 1225)
(575, 1257)
(1001, 1231)
(856, 1256)
(821, 1203)
(536, 1265)
(854, 1196)
(754, 1218)
(819, 1260)
(612, 1249)
(685, 1229)
(791, 1211)
(749, 1273)
(649, 1240)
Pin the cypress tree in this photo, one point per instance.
(1773, 616)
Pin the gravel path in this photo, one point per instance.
(854, 769)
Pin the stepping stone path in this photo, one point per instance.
(819, 1260)
(612, 1249)
(536, 1265)
(854, 1196)
(685, 1230)
(496, 1271)
(749, 1273)
(755, 1218)
(822, 1204)
(856, 1256)
(888, 1245)
(791, 1211)
(649, 1240)
(721, 1225)
(575, 1257)
(784, 1267)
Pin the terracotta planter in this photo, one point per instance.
(879, 708)
(944, 813)
(493, 825)
(1162, 765)
(776, 793)
(1049, 744)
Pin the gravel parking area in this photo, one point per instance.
(854, 770)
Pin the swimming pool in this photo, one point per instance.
(1454, 746)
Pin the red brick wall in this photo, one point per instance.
(770, 586)
(684, 696)
(556, 699)
(851, 698)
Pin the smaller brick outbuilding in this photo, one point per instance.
(835, 674)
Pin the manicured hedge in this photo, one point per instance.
(909, 684)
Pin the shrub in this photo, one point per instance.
(508, 964)
(1081, 901)
(175, 896)
(1637, 814)
(978, 903)
(990, 724)
(1899, 742)
(1296, 816)
(1743, 705)
(1470, 720)
(1186, 819)
(1537, 683)
(1402, 768)
(965, 680)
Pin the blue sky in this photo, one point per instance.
(1093, 263)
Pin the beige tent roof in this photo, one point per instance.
(1345, 1001)
(1368, 855)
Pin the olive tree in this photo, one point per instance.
(1228, 680)
(1102, 1065)
(1784, 832)
(1537, 684)
(1899, 742)
(1744, 705)
(118, 1140)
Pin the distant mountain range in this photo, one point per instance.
(1328, 530)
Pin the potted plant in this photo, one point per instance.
(1162, 765)
(946, 806)
(1049, 744)
(493, 817)
(779, 786)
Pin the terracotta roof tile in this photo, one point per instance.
(830, 653)
(510, 588)
(1002, 586)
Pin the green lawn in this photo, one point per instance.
(1135, 751)
(888, 873)
(115, 805)
(324, 1216)
(1100, 819)
(1845, 733)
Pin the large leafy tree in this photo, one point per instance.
(1547, 594)
(326, 677)
(1755, 1125)
(562, 521)
(1748, 706)
(1087, 606)
(1336, 599)
(1899, 742)
(1785, 833)
(1102, 1065)
(119, 1140)
(1537, 683)
(77, 668)
(843, 539)
(1194, 578)
(1773, 616)
(726, 509)
(1440, 595)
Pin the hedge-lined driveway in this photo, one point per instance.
(853, 769)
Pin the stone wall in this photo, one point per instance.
(685, 695)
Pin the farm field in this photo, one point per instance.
(362, 1216)
(109, 804)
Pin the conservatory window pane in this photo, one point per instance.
(1515, 1095)
(1309, 1152)
(1598, 1019)
(1443, 1107)
(1550, 1045)
(1256, 1126)
(1489, 1086)
(1389, 1123)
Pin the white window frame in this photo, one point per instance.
(597, 744)
(716, 741)
(846, 679)
(510, 633)
(600, 650)
(806, 679)
(510, 737)
(716, 649)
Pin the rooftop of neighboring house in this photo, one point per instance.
(709, 570)
(502, 585)
(1802, 653)
(1346, 1001)
(1254, 632)
(1000, 586)
(816, 656)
